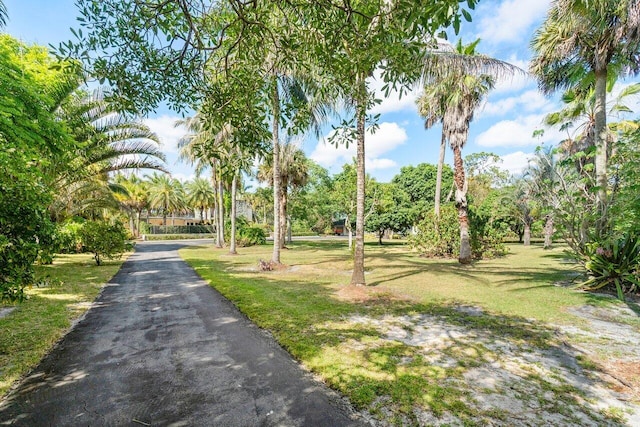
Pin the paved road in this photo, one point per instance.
(162, 348)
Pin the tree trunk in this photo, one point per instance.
(548, 232)
(220, 225)
(283, 216)
(601, 148)
(216, 204)
(132, 225)
(461, 204)
(527, 233)
(234, 189)
(443, 147)
(138, 214)
(275, 131)
(357, 277)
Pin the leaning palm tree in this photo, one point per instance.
(582, 44)
(578, 117)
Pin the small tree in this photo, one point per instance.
(104, 240)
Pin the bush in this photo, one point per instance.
(25, 229)
(613, 264)
(104, 240)
(246, 234)
(68, 237)
(441, 238)
(250, 236)
(438, 237)
(486, 236)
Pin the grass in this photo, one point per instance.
(387, 377)
(29, 332)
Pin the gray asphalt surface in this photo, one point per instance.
(162, 348)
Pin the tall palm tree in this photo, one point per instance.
(432, 107)
(294, 174)
(166, 194)
(455, 93)
(582, 44)
(439, 65)
(467, 94)
(199, 147)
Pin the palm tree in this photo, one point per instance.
(134, 198)
(166, 194)
(200, 195)
(578, 115)
(582, 44)
(3, 14)
(309, 113)
(110, 142)
(432, 107)
(455, 94)
(199, 148)
(542, 181)
(440, 64)
(294, 174)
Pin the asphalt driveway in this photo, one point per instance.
(162, 348)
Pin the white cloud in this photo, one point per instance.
(512, 21)
(528, 102)
(386, 139)
(518, 133)
(183, 177)
(169, 135)
(515, 163)
(376, 164)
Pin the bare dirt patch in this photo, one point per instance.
(508, 381)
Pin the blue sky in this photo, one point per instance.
(504, 124)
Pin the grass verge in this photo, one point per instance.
(374, 351)
(29, 331)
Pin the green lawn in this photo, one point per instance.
(347, 342)
(33, 327)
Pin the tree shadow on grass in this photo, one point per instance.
(381, 374)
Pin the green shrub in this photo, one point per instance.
(246, 234)
(613, 264)
(104, 240)
(441, 238)
(252, 235)
(486, 235)
(68, 237)
(438, 238)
